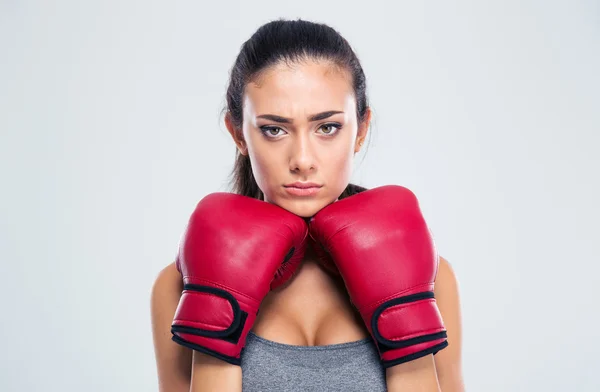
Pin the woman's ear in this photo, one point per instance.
(363, 130)
(236, 134)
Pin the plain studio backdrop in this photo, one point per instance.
(109, 116)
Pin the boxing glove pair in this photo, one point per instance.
(235, 249)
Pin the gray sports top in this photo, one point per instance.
(271, 366)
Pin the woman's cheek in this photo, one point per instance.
(341, 172)
(270, 176)
(261, 171)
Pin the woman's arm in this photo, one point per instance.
(418, 375)
(211, 374)
(448, 362)
(173, 362)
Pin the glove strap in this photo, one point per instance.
(412, 322)
(202, 297)
(233, 332)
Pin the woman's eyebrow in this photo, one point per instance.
(312, 117)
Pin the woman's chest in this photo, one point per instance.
(312, 310)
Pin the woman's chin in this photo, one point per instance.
(303, 207)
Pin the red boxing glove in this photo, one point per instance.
(323, 258)
(384, 251)
(233, 251)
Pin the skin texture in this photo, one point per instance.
(319, 151)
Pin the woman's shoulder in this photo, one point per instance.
(446, 282)
(445, 270)
(169, 273)
(167, 285)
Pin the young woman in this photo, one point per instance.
(297, 111)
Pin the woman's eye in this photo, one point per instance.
(330, 129)
(271, 131)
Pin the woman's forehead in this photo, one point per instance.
(306, 88)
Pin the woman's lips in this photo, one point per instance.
(302, 190)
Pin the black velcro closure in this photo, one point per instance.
(385, 344)
(230, 334)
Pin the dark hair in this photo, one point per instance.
(287, 41)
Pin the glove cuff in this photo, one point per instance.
(408, 327)
(219, 330)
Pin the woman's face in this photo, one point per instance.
(300, 131)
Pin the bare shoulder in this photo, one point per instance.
(446, 281)
(449, 360)
(166, 279)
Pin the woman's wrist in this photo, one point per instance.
(418, 375)
(212, 374)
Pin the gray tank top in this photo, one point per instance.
(271, 366)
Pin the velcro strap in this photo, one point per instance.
(406, 321)
(209, 311)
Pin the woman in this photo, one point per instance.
(297, 112)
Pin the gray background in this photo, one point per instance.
(109, 116)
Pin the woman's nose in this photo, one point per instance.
(302, 159)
